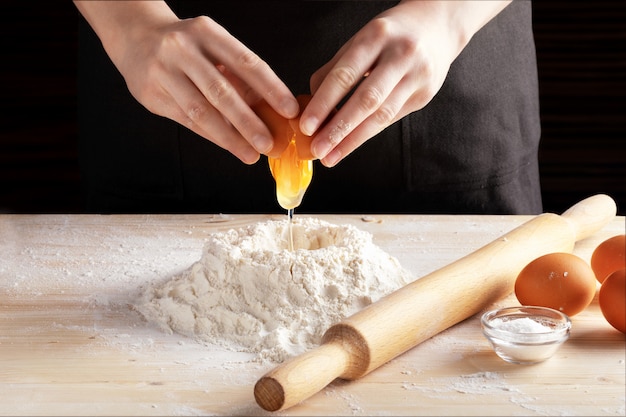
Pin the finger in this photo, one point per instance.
(366, 100)
(390, 111)
(249, 95)
(248, 66)
(184, 103)
(348, 70)
(223, 96)
(319, 75)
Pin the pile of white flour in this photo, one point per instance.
(250, 293)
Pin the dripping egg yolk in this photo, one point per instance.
(290, 160)
(292, 174)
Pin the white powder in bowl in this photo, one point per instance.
(250, 293)
(521, 325)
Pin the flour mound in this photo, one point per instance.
(249, 292)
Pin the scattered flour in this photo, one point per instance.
(250, 293)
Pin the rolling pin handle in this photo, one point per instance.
(301, 377)
(590, 215)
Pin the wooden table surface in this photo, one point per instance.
(71, 345)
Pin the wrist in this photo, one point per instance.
(118, 23)
(459, 20)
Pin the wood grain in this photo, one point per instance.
(70, 344)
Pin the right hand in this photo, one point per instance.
(193, 72)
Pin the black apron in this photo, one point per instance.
(472, 149)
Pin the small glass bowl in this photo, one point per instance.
(525, 335)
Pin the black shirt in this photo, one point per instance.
(472, 149)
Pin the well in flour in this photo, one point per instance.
(249, 292)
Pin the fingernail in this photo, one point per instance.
(320, 149)
(309, 126)
(332, 158)
(290, 107)
(249, 156)
(262, 143)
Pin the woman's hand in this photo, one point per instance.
(191, 71)
(394, 65)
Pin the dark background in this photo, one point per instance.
(581, 49)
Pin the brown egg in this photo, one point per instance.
(303, 142)
(278, 126)
(283, 130)
(612, 299)
(559, 280)
(609, 256)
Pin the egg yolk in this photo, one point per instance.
(290, 160)
(292, 175)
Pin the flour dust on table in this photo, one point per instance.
(249, 292)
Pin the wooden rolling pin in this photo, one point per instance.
(429, 305)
